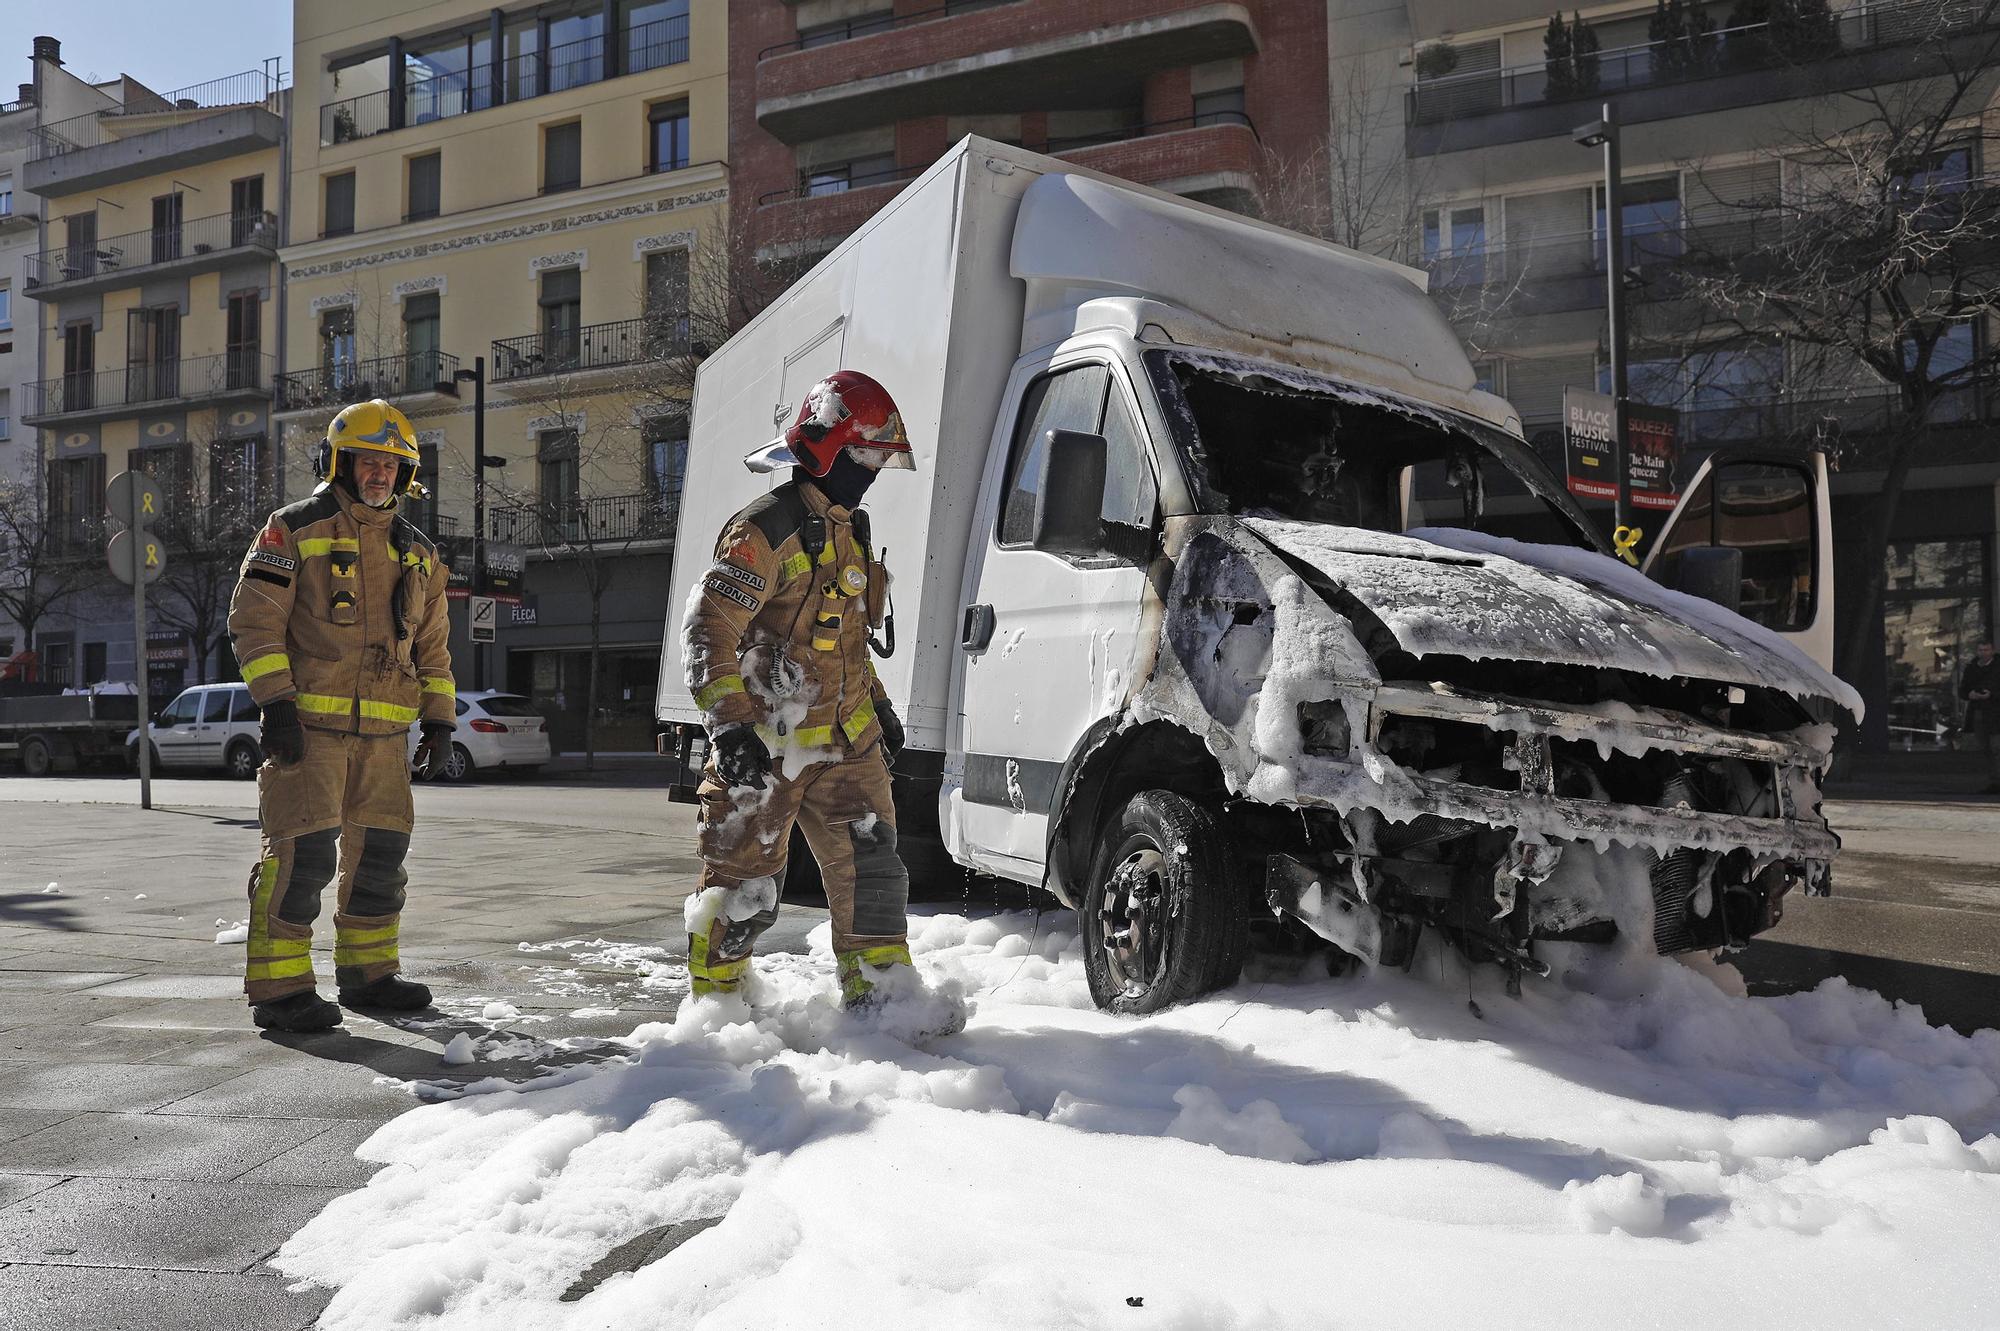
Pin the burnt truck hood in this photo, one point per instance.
(1449, 592)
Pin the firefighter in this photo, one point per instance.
(339, 623)
(800, 727)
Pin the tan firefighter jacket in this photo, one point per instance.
(341, 607)
(780, 639)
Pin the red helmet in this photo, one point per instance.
(847, 409)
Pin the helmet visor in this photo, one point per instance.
(883, 459)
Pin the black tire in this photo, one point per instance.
(36, 757)
(458, 767)
(1166, 868)
(242, 760)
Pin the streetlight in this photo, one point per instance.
(476, 376)
(1603, 132)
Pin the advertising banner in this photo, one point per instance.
(1589, 425)
(1652, 447)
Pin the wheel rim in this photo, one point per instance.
(242, 762)
(456, 766)
(1133, 920)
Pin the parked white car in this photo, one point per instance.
(495, 730)
(209, 725)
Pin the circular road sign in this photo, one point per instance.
(131, 555)
(119, 494)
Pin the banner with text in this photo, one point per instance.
(1589, 426)
(1652, 447)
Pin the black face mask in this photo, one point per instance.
(845, 481)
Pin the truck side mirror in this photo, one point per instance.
(1714, 573)
(1071, 485)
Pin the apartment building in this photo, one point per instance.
(834, 104)
(18, 347)
(520, 191)
(151, 295)
(1478, 121)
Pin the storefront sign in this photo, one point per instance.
(521, 614)
(1588, 429)
(506, 566)
(166, 649)
(1652, 446)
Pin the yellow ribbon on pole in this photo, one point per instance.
(1623, 540)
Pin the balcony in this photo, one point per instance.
(586, 350)
(75, 399)
(1214, 157)
(994, 60)
(581, 524)
(1751, 65)
(153, 135)
(482, 87)
(203, 245)
(417, 374)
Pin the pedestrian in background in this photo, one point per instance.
(1979, 686)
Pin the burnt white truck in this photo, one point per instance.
(1225, 595)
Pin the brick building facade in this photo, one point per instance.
(835, 104)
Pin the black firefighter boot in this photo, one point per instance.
(391, 992)
(296, 1013)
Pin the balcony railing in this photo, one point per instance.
(250, 88)
(814, 185)
(1727, 51)
(148, 249)
(343, 381)
(868, 26)
(517, 78)
(586, 522)
(233, 373)
(590, 347)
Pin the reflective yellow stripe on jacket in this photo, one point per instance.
(258, 667)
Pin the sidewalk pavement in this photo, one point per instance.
(156, 1149)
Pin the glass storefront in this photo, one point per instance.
(558, 681)
(1933, 615)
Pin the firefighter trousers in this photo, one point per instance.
(343, 810)
(848, 816)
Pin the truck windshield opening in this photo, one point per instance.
(1265, 441)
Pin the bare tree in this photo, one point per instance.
(45, 558)
(208, 524)
(1878, 258)
(1357, 187)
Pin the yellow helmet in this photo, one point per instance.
(376, 427)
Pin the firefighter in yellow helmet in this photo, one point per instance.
(339, 624)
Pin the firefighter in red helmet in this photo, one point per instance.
(800, 728)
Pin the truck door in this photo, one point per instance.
(211, 729)
(173, 733)
(1775, 511)
(1050, 640)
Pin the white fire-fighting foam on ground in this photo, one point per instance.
(1625, 1144)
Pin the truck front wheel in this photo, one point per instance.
(36, 756)
(1163, 916)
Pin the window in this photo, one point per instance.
(523, 58)
(246, 213)
(561, 304)
(556, 473)
(76, 501)
(667, 135)
(1934, 613)
(79, 366)
(562, 157)
(182, 711)
(576, 49)
(246, 333)
(656, 34)
(94, 655)
(424, 190)
(6, 306)
(243, 707)
(339, 205)
(839, 177)
(336, 350)
(1455, 245)
(167, 226)
(1767, 513)
(1951, 356)
(6, 194)
(1224, 106)
(167, 464)
(1650, 212)
(421, 343)
(448, 75)
(1076, 399)
(6, 414)
(152, 353)
(79, 245)
(666, 444)
(666, 302)
(233, 488)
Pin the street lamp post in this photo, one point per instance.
(1604, 133)
(480, 462)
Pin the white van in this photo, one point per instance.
(211, 726)
(1223, 590)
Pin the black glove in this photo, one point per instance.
(740, 756)
(892, 730)
(284, 737)
(432, 750)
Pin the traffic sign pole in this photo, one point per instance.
(137, 496)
